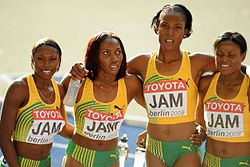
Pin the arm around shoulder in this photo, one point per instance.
(203, 62)
(135, 89)
(138, 64)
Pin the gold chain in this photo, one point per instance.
(101, 85)
(50, 90)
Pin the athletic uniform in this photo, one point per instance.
(98, 121)
(170, 100)
(38, 122)
(228, 121)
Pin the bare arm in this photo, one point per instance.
(139, 96)
(16, 95)
(203, 88)
(200, 135)
(205, 62)
(64, 84)
(138, 66)
(201, 63)
(200, 122)
(248, 94)
(68, 129)
(200, 113)
(135, 89)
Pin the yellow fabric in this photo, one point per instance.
(227, 119)
(88, 101)
(25, 120)
(186, 97)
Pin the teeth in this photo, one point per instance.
(46, 71)
(224, 65)
(169, 40)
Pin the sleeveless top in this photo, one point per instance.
(38, 122)
(227, 120)
(97, 120)
(170, 99)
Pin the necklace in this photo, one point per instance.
(50, 89)
(101, 85)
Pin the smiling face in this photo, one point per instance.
(45, 61)
(229, 57)
(171, 29)
(110, 56)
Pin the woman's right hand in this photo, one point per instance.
(141, 139)
(78, 71)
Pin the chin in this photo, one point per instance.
(226, 72)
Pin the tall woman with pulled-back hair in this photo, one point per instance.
(170, 79)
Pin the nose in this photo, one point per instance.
(115, 57)
(224, 58)
(46, 63)
(170, 30)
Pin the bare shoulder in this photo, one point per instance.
(134, 87)
(133, 83)
(132, 80)
(17, 93)
(19, 85)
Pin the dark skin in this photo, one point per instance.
(105, 89)
(171, 31)
(228, 60)
(45, 62)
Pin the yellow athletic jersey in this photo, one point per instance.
(170, 99)
(227, 120)
(97, 120)
(38, 122)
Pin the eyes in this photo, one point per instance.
(228, 55)
(166, 26)
(118, 52)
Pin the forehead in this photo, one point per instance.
(44, 49)
(109, 42)
(171, 13)
(229, 45)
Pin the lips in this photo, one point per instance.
(115, 66)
